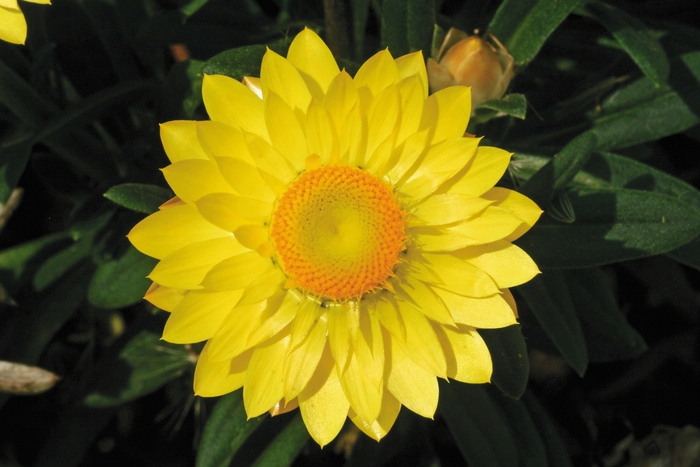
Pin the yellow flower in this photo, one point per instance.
(471, 61)
(337, 242)
(13, 26)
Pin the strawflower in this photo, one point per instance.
(13, 26)
(336, 242)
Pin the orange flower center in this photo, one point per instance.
(338, 232)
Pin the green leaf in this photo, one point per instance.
(360, 13)
(18, 262)
(241, 61)
(227, 429)
(13, 159)
(512, 104)
(560, 170)
(511, 367)
(642, 112)
(634, 37)
(121, 282)
(608, 335)
(476, 425)
(139, 197)
(192, 7)
(58, 264)
(394, 26)
(286, 446)
(547, 296)
(523, 26)
(549, 433)
(420, 21)
(145, 364)
(611, 225)
(22, 99)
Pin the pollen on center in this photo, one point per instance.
(338, 232)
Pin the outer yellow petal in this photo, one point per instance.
(13, 26)
(230, 211)
(285, 131)
(413, 386)
(165, 298)
(339, 336)
(486, 168)
(459, 276)
(379, 428)
(520, 205)
(232, 103)
(279, 76)
(322, 402)
(232, 336)
(422, 346)
(495, 223)
(506, 263)
(180, 141)
(264, 286)
(192, 179)
(213, 379)
(417, 293)
(377, 73)
(447, 113)
(41, 2)
(449, 208)
(365, 399)
(340, 99)
(383, 117)
(411, 65)
(353, 138)
(263, 386)
(468, 358)
(199, 315)
(268, 159)
(301, 362)
(9, 4)
(485, 313)
(280, 311)
(168, 230)
(314, 60)
(440, 163)
(218, 139)
(368, 345)
(410, 151)
(186, 267)
(246, 179)
(412, 100)
(236, 272)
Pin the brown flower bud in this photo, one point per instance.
(471, 61)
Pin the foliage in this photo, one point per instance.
(602, 118)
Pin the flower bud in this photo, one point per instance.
(471, 61)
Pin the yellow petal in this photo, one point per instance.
(9, 4)
(322, 402)
(412, 99)
(180, 142)
(264, 286)
(368, 345)
(440, 163)
(422, 297)
(447, 112)
(232, 337)
(236, 272)
(307, 314)
(219, 140)
(353, 138)
(410, 151)
(486, 169)
(279, 76)
(520, 205)
(321, 135)
(165, 298)
(247, 179)
(13, 26)
(340, 99)
(383, 117)
(411, 65)
(449, 208)
(379, 428)
(213, 379)
(365, 399)
(165, 231)
(230, 211)
(422, 346)
(199, 315)
(251, 235)
(194, 178)
(377, 73)
(468, 358)
(302, 361)
(314, 60)
(506, 263)
(459, 276)
(285, 131)
(186, 267)
(264, 381)
(281, 309)
(494, 223)
(232, 103)
(508, 297)
(387, 314)
(268, 159)
(485, 313)
(413, 386)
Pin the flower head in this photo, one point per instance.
(336, 242)
(471, 61)
(13, 26)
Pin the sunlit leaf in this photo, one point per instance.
(513, 104)
(241, 61)
(139, 197)
(121, 282)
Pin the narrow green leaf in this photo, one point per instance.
(634, 37)
(529, 443)
(642, 112)
(145, 364)
(192, 7)
(514, 105)
(548, 297)
(226, 430)
(394, 26)
(611, 225)
(286, 446)
(139, 197)
(241, 61)
(476, 425)
(523, 26)
(549, 433)
(58, 264)
(511, 367)
(420, 20)
(560, 170)
(13, 160)
(21, 98)
(17, 262)
(122, 281)
(608, 335)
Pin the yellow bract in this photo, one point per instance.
(336, 240)
(13, 26)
